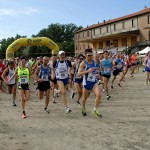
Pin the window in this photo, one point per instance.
(100, 30)
(78, 35)
(87, 33)
(115, 43)
(148, 19)
(83, 34)
(94, 32)
(133, 23)
(107, 30)
(123, 25)
(114, 27)
(149, 35)
(124, 41)
(100, 45)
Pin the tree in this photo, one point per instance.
(62, 34)
(6, 42)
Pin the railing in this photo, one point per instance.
(135, 47)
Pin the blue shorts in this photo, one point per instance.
(147, 69)
(78, 80)
(89, 86)
(65, 81)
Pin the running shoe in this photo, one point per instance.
(97, 113)
(78, 103)
(67, 110)
(146, 83)
(14, 104)
(83, 111)
(131, 76)
(45, 110)
(119, 84)
(108, 97)
(54, 102)
(24, 115)
(72, 94)
(111, 87)
(103, 91)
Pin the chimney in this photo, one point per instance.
(98, 22)
(104, 21)
(145, 7)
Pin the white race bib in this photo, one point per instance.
(45, 77)
(106, 70)
(119, 66)
(23, 80)
(91, 77)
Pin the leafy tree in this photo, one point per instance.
(62, 34)
(6, 42)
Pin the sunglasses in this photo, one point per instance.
(90, 55)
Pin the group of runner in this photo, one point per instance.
(80, 75)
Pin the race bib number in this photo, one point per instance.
(45, 77)
(62, 74)
(119, 66)
(78, 77)
(23, 80)
(91, 77)
(106, 70)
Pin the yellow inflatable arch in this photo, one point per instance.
(30, 42)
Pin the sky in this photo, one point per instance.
(28, 17)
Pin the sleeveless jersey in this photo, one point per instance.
(10, 73)
(76, 71)
(106, 65)
(23, 75)
(91, 76)
(119, 64)
(44, 73)
(61, 70)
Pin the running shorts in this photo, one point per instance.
(43, 86)
(65, 81)
(89, 86)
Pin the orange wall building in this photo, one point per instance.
(116, 33)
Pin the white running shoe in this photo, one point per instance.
(67, 110)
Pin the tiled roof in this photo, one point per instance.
(146, 10)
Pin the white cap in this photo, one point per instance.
(61, 52)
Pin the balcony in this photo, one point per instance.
(130, 31)
(136, 46)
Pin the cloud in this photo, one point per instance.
(13, 12)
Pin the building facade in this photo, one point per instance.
(116, 33)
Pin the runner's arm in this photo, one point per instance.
(145, 61)
(81, 71)
(36, 74)
(4, 74)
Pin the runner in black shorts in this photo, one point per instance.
(42, 75)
